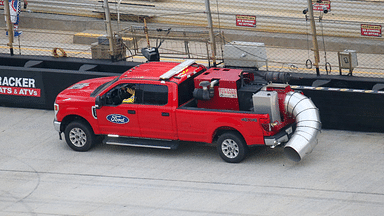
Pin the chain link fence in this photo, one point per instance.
(270, 35)
(43, 42)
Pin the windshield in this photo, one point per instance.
(101, 88)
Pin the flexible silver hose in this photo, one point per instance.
(308, 125)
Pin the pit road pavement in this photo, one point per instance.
(41, 175)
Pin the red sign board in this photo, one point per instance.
(31, 92)
(370, 30)
(320, 6)
(246, 20)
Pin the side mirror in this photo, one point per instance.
(99, 102)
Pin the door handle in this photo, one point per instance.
(164, 114)
(131, 112)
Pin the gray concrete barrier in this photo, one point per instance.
(345, 102)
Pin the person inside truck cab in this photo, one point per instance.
(127, 94)
(131, 98)
(121, 94)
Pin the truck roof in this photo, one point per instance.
(163, 71)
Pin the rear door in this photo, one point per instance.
(156, 114)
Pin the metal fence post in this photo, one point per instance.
(9, 25)
(314, 38)
(109, 30)
(211, 35)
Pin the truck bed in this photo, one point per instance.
(201, 124)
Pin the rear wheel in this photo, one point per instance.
(232, 147)
(79, 136)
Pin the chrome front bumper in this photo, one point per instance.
(56, 125)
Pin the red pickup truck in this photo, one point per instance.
(158, 104)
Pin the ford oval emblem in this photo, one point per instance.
(117, 118)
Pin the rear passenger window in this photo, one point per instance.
(154, 94)
(186, 89)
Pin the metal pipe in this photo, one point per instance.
(118, 12)
(146, 33)
(308, 125)
(211, 35)
(9, 26)
(314, 38)
(109, 30)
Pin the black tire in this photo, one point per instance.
(79, 136)
(232, 147)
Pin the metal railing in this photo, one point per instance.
(68, 7)
(280, 24)
(283, 16)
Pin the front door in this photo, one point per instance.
(119, 115)
(119, 120)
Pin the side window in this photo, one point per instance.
(129, 93)
(123, 93)
(186, 91)
(154, 94)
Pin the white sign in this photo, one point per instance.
(227, 93)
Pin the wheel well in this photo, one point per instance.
(70, 118)
(223, 130)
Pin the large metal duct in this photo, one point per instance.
(308, 126)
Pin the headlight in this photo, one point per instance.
(56, 108)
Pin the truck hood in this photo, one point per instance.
(84, 88)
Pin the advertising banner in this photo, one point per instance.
(21, 86)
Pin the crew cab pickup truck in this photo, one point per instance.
(159, 104)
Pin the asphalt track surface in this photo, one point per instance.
(41, 175)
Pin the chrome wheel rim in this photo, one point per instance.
(230, 148)
(78, 137)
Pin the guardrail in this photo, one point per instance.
(68, 7)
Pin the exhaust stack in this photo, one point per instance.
(308, 126)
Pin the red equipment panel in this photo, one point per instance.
(225, 93)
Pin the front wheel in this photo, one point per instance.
(79, 136)
(232, 147)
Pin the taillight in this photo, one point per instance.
(265, 124)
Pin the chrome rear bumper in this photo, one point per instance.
(282, 137)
